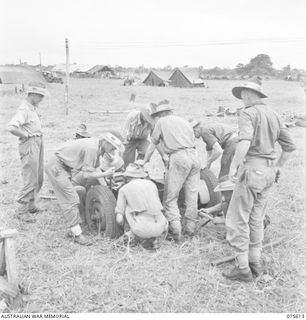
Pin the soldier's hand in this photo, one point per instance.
(140, 162)
(109, 172)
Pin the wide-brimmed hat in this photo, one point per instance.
(254, 85)
(38, 88)
(161, 108)
(82, 131)
(146, 111)
(114, 141)
(135, 171)
(117, 163)
(227, 185)
(194, 123)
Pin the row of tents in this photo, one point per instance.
(182, 78)
(15, 77)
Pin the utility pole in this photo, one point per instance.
(67, 75)
(40, 61)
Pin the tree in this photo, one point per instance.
(260, 65)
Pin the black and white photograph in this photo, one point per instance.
(152, 159)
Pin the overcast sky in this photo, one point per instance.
(154, 32)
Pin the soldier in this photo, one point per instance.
(139, 206)
(82, 132)
(81, 155)
(177, 140)
(254, 172)
(219, 139)
(139, 125)
(27, 126)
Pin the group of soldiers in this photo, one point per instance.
(248, 161)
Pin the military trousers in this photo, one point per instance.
(31, 153)
(67, 196)
(183, 173)
(246, 211)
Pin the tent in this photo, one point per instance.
(101, 71)
(186, 78)
(15, 79)
(19, 75)
(157, 78)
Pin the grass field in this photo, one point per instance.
(60, 276)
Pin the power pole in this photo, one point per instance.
(40, 61)
(67, 75)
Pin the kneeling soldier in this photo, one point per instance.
(81, 155)
(138, 202)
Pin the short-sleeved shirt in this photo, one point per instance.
(27, 119)
(80, 153)
(263, 127)
(212, 133)
(139, 195)
(135, 128)
(174, 133)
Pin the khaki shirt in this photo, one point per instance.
(27, 119)
(174, 133)
(134, 128)
(139, 195)
(80, 153)
(212, 133)
(263, 127)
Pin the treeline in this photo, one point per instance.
(261, 65)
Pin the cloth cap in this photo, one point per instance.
(254, 85)
(38, 88)
(82, 131)
(194, 123)
(114, 141)
(161, 108)
(135, 171)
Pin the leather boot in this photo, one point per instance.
(239, 274)
(176, 230)
(82, 240)
(190, 228)
(256, 268)
(23, 214)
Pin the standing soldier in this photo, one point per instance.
(139, 125)
(177, 139)
(27, 126)
(218, 138)
(81, 155)
(254, 171)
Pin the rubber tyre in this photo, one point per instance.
(211, 182)
(101, 202)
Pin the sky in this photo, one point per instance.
(154, 33)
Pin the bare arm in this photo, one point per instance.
(18, 132)
(214, 154)
(149, 152)
(241, 151)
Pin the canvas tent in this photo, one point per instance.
(101, 71)
(186, 78)
(157, 78)
(16, 78)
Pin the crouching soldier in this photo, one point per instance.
(139, 206)
(219, 139)
(81, 155)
